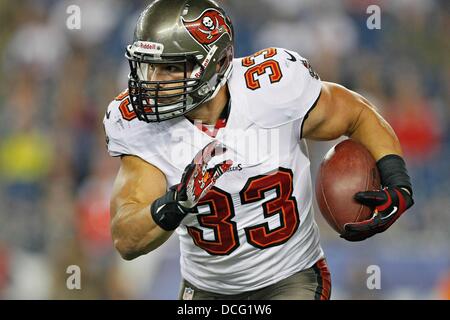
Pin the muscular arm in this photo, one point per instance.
(340, 111)
(133, 230)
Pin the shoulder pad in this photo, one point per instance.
(278, 85)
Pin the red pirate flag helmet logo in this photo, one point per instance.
(209, 27)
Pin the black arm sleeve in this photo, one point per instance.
(393, 172)
(166, 211)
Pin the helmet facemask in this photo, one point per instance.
(155, 101)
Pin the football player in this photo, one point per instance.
(212, 147)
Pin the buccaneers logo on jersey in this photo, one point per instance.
(209, 27)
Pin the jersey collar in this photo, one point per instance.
(220, 123)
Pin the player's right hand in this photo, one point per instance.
(197, 179)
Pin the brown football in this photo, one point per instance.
(346, 169)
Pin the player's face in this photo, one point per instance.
(165, 72)
(169, 72)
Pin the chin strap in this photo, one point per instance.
(222, 82)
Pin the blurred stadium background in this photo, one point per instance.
(56, 177)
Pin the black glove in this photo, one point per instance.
(387, 204)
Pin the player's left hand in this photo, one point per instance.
(387, 205)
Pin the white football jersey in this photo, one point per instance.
(256, 226)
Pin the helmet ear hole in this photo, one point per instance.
(220, 66)
(223, 64)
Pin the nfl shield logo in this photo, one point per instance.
(188, 293)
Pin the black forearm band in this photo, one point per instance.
(166, 211)
(393, 172)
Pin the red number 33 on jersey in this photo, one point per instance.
(257, 70)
